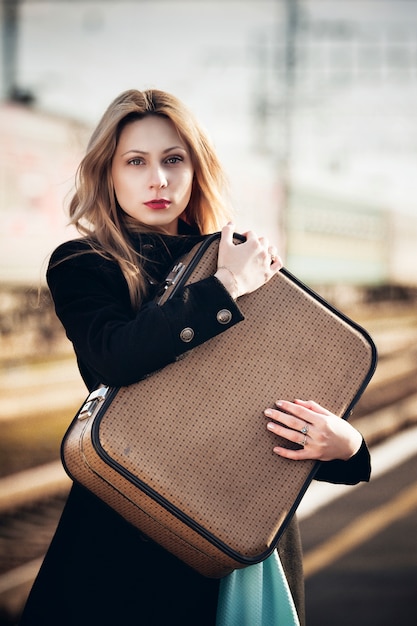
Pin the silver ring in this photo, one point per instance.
(303, 443)
(304, 429)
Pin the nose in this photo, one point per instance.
(157, 178)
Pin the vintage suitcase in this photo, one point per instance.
(184, 454)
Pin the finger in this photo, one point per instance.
(273, 253)
(264, 254)
(313, 406)
(304, 409)
(264, 242)
(227, 232)
(294, 455)
(276, 264)
(251, 236)
(226, 242)
(288, 420)
(295, 436)
(305, 449)
(301, 411)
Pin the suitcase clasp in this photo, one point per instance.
(174, 275)
(91, 405)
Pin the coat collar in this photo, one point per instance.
(158, 252)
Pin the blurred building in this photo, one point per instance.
(311, 104)
(345, 91)
(38, 157)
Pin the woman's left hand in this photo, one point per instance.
(322, 435)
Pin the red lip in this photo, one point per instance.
(158, 203)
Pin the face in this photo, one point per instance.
(152, 172)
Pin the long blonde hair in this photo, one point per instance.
(93, 208)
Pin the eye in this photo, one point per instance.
(135, 161)
(172, 160)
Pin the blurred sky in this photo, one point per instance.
(339, 121)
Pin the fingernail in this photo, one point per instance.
(268, 412)
(270, 426)
(279, 403)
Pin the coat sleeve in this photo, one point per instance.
(351, 472)
(118, 345)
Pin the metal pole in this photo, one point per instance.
(9, 10)
(291, 24)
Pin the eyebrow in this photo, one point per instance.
(136, 151)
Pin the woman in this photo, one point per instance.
(150, 187)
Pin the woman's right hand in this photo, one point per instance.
(244, 267)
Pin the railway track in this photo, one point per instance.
(31, 501)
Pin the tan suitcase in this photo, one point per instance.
(184, 454)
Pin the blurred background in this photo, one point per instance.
(312, 105)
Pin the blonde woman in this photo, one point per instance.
(149, 187)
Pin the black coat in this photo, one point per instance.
(99, 570)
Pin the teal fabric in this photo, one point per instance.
(257, 595)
